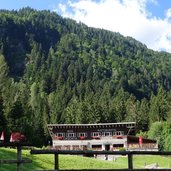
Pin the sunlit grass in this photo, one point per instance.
(41, 162)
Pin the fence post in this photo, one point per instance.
(56, 161)
(19, 158)
(130, 163)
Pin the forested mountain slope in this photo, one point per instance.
(54, 70)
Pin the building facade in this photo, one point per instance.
(103, 136)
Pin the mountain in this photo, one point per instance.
(55, 70)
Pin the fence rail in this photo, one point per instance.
(129, 154)
(19, 159)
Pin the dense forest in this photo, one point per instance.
(55, 70)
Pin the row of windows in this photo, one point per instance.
(71, 134)
(105, 134)
(93, 134)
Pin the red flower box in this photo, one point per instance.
(119, 137)
(82, 137)
(96, 137)
(60, 138)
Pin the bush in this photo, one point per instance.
(161, 131)
(122, 149)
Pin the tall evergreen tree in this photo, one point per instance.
(159, 106)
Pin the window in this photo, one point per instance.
(118, 145)
(97, 147)
(60, 134)
(95, 134)
(70, 134)
(82, 134)
(119, 133)
(106, 134)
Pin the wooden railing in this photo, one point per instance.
(129, 154)
(19, 159)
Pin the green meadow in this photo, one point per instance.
(41, 162)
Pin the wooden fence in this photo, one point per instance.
(129, 154)
(19, 160)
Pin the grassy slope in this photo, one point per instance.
(77, 162)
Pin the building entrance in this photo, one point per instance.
(107, 147)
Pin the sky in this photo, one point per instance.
(148, 21)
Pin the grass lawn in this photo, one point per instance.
(41, 162)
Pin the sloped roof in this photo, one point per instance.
(94, 124)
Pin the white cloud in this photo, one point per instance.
(129, 17)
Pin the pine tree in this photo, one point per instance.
(3, 72)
